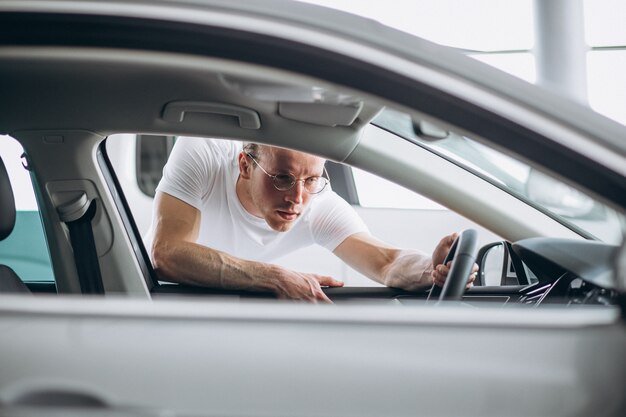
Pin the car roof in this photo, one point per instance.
(319, 20)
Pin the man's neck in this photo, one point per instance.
(243, 194)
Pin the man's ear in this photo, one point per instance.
(245, 167)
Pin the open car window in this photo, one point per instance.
(393, 214)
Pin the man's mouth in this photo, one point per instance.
(288, 215)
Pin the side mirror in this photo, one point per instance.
(620, 275)
(491, 264)
(499, 265)
(620, 266)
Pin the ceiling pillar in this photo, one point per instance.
(560, 48)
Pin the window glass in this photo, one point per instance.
(377, 192)
(608, 98)
(25, 250)
(604, 22)
(570, 206)
(152, 153)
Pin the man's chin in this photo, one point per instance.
(281, 227)
(280, 224)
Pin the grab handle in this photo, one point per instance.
(175, 111)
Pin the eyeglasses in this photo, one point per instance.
(285, 182)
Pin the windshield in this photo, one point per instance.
(575, 209)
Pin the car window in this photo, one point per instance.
(377, 192)
(25, 250)
(572, 207)
(138, 161)
(151, 153)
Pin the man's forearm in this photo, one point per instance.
(191, 263)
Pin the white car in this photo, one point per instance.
(88, 329)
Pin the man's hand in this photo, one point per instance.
(440, 271)
(302, 286)
(442, 249)
(440, 274)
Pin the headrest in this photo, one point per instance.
(7, 204)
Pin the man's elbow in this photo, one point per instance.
(164, 260)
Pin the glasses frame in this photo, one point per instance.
(296, 180)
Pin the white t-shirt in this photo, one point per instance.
(203, 173)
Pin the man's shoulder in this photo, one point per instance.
(214, 144)
(328, 201)
(213, 148)
(329, 196)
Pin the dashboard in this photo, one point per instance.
(569, 272)
(539, 271)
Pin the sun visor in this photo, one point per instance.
(302, 103)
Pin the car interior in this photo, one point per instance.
(74, 82)
(83, 98)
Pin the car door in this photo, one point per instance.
(257, 359)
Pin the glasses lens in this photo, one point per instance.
(284, 182)
(315, 185)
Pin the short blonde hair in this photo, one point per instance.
(253, 149)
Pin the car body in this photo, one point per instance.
(549, 342)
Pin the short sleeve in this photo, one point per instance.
(333, 220)
(190, 170)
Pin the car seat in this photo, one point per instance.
(9, 281)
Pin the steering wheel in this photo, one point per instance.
(463, 255)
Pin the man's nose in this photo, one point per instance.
(296, 194)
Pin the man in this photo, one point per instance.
(223, 213)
